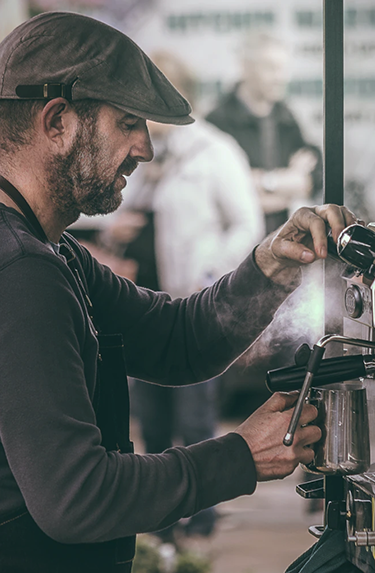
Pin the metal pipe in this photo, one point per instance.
(312, 369)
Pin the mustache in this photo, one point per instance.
(127, 166)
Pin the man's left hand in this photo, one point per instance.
(301, 240)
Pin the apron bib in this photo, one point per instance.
(24, 548)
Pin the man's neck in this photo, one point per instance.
(258, 106)
(32, 192)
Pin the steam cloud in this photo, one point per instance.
(299, 320)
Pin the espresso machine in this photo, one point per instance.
(343, 390)
(338, 374)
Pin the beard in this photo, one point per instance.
(83, 180)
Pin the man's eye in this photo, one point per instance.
(127, 126)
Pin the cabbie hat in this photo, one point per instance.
(62, 54)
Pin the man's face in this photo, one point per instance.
(89, 178)
(268, 75)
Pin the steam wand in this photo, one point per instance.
(312, 368)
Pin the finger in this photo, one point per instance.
(318, 230)
(284, 248)
(350, 217)
(308, 435)
(304, 222)
(307, 456)
(338, 217)
(308, 414)
(281, 401)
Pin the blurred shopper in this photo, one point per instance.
(287, 169)
(189, 217)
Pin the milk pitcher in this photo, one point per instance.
(343, 417)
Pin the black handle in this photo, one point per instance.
(331, 370)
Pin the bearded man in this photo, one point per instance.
(75, 97)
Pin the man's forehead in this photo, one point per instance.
(107, 110)
(121, 114)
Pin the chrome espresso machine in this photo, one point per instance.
(343, 390)
(342, 386)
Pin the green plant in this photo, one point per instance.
(189, 562)
(147, 558)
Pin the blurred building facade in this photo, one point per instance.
(208, 35)
(12, 13)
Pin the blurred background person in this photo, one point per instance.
(287, 172)
(188, 217)
(286, 169)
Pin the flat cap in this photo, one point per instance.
(70, 55)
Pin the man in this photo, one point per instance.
(287, 170)
(72, 493)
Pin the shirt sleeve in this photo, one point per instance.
(75, 490)
(191, 339)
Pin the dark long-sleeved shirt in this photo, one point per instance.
(51, 457)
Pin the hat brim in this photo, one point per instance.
(174, 120)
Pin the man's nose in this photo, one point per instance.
(142, 149)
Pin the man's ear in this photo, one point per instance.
(58, 122)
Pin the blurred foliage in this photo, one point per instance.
(192, 563)
(148, 560)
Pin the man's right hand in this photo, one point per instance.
(265, 429)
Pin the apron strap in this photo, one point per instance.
(113, 412)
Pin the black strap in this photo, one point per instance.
(67, 251)
(21, 202)
(44, 91)
(111, 400)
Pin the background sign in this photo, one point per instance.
(208, 35)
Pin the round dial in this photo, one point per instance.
(353, 301)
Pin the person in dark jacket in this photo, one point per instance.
(287, 169)
(287, 172)
(75, 97)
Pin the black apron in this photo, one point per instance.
(24, 548)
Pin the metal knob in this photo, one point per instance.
(363, 538)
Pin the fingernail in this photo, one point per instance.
(307, 257)
(323, 252)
